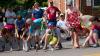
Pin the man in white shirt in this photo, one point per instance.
(10, 15)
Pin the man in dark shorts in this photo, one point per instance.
(52, 13)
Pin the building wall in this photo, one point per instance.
(61, 4)
(80, 4)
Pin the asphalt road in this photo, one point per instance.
(66, 51)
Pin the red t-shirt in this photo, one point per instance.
(95, 27)
(52, 12)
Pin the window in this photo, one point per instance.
(71, 2)
(96, 3)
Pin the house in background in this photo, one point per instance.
(87, 7)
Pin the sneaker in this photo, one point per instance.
(51, 49)
(60, 46)
(11, 49)
(95, 45)
(37, 46)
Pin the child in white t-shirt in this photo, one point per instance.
(63, 25)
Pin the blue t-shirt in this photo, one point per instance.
(37, 13)
(20, 24)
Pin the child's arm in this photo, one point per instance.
(43, 38)
(29, 36)
(87, 39)
(23, 34)
(16, 31)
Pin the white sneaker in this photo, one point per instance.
(11, 49)
(51, 49)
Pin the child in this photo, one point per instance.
(51, 37)
(63, 26)
(26, 34)
(93, 32)
(19, 28)
(35, 29)
(8, 34)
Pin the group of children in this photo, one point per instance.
(28, 30)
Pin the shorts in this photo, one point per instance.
(99, 34)
(26, 34)
(97, 31)
(52, 21)
(72, 29)
(35, 33)
(20, 32)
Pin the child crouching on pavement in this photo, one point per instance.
(52, 37)
(19, 28)
(26, 36)
(94, 32)
(7, 34)
(63, 26)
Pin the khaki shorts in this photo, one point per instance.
(72, 29)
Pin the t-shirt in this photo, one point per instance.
(95, 27)
(52, 12)
(20, 24)
(9, 14)
(61, 24)
(37, 13)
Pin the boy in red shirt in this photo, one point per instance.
(95, 29)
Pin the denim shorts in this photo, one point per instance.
(97, 31)
(52, 21)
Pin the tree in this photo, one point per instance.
(26, 3)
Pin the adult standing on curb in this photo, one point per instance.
(10, 15)
(52, 12)
(73, 19)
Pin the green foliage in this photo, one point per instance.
(44, 4)
(26, 3)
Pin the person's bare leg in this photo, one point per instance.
(87, 39)
(37, 42)
(95, 37)
(72, 38)
(76, 40)
(46, 41)
(18, 41)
